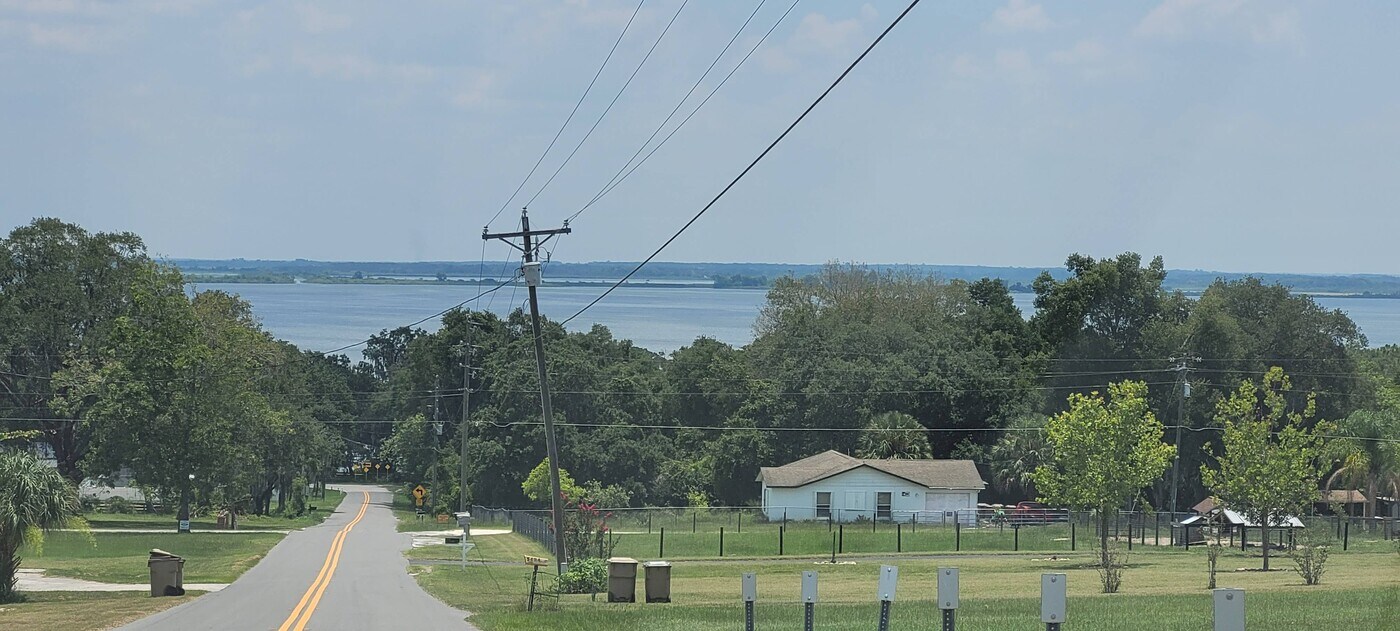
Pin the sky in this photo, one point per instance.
(1227, 135)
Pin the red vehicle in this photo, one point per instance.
(1035, 513)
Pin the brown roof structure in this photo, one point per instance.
(1341, 496)
(933, 474)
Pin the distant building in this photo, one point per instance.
(834, 486)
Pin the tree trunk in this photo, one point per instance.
(62, 437)
(9, 568)
(1103, 537)
(1264, 540)
(282, 496)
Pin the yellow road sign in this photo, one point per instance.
(419, 491)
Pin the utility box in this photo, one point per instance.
(622, 580)
(658, 581)
(167, 573)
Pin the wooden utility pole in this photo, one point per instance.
(531, 270)
(1184, 372)
(466, 411)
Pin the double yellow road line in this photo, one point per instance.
(307, 606)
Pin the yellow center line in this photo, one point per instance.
(307, 605)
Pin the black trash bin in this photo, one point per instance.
(167, 573)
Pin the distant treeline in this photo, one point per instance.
(723, 275)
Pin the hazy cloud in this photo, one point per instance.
(350, 67)
(1018, 16)
(316, 20)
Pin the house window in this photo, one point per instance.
(823, 505)
(882, 505)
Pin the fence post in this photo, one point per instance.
(889, 575)
(841, 537)
(833, 548)
(809, 600)
(741, 520)
(694, 518)
(661, 551)
(648, 522)
(781, 531)
(957, 534)
(898, 538)
(1052, 600)
(1244, 536)
(1071, 535)
(1130, 534)
(1016, 538)
(750, 590)
(721, 540)
(1346, 534)
(1229, 609)
(948, 595)
(1157, 530)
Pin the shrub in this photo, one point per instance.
(1212, 559)
(298, 497)
(89, 504)
(1111, 565)
(118, 505)
(585, 576)
(1310, 555)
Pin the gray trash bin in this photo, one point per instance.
(622, 580)
(167, 573)
(658, 580)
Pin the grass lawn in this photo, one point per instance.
(114, 557)
(82, 611)
(507, 547)
(324, 507)
(1162, 590)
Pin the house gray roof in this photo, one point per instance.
(933, 474)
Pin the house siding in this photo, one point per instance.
(853, 496)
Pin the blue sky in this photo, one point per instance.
(1221, 134)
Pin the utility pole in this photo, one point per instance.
(531, 271)
(1183, 371)
(467, 369)
(437, 445)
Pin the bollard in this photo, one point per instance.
(1229, 609)
(948, 595)
(721, 540)
(809, 600)
(889, 575)
(1052, 600)
(750, 583)
(661, 550)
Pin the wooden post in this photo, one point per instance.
(1016, 538)
(957, 535)
(841, 538)
(1071, 535)
(781, 531)
(661, 551)
(721, 540)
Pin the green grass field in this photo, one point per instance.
(324, 507)
(83, 611)
(121, 557)
(1162, 590)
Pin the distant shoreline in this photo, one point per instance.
(236, 279)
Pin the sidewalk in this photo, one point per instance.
(170, 531)
(34, 580)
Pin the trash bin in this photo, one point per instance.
(167, 573)
(622, 580)
(658, 579)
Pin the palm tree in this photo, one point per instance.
(33, 498)
(894, 435)
(1014, 458)
(1366, 457)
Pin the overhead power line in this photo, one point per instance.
(752, 164)
(571, 113)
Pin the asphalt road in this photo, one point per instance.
(319, 578)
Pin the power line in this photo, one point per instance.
(571, 115)
(610, 105)
(751, 165)
(614, 179)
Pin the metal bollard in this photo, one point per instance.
(1052, 600)
(809, 600)
(1229, 609)
(750, 583)
(889, 575)
(948, 595)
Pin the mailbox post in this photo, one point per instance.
(1052, 600)
(809, 600)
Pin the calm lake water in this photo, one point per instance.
(324, 317)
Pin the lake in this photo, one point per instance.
(324, 317)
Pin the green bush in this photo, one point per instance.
(118, 506)
(585, 576)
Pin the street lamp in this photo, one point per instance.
(184, 516)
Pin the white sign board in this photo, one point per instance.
(947, 588)
(1052, 598)
(889, 575)
(750, 587)
(809, 587)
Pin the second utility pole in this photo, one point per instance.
(531, 271)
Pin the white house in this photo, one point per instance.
(834, 486)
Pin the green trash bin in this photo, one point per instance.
(167, 573)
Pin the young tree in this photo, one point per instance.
(894, 435)
(1104, 452)
(33, 498)
(536, 485)
(1272, 456)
